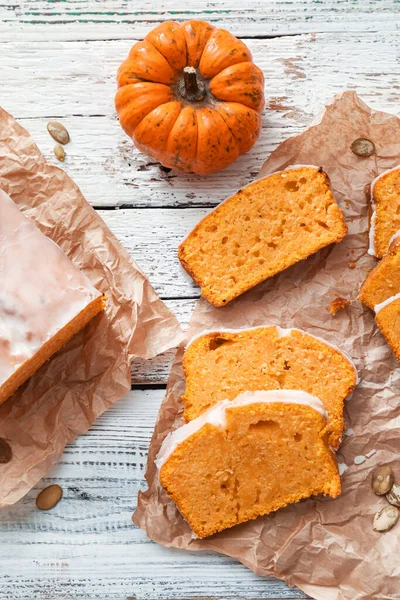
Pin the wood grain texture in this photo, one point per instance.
(111, 172)
(59, 59)
(156, 370)
(152, 237)
(87, 546)
(116, 19)
(75, 82)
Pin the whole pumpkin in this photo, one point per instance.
(190, 96)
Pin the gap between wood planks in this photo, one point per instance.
(101, 158)
(260, 19)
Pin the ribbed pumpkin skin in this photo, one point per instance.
(200, 132)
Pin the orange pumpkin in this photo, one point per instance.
(190, 96)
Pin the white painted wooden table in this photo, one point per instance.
(58, 59)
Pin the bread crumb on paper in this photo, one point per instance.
(338, 304)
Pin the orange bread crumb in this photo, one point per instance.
(223, 364)
(338, 304)
(262, 230)
(385, 222)
(388, 320)
(383, 281)
(259, 458)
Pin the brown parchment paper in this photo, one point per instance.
(92, 371)
(326, 547)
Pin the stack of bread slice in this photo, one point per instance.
(264, 413)
(263, 229)
(381, 289)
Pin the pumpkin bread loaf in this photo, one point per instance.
(385, 221)
(387, 317)
(384, 280)
(262, 230)
(222, 364)
(44, 298)
(248, 458)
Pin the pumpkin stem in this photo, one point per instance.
(193, 88)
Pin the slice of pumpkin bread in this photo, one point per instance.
(385, 220)
(384, 280)
(387, 317)
(223, 364)
(262, 230)
(247, 458)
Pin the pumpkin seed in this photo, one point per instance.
(382, 480)
(49, 497)
(385, 519)
(394, 495)
(5, 452)
(363, 147)
(59, 152)
(58, 132)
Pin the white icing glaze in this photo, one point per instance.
(40, 291)
(381, 305)
(281, 332)
(216, 415)
(342, 468)
(371, 248)
(394, 237)
(284, 331)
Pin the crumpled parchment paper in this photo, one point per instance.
(326, 547)
(92, 371)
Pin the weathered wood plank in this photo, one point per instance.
(156, 370)
(152, 236)
(111, 172)
(77, 78)
(117, 19)
(87, 547)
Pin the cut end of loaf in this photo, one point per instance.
(260, 231)
(385, 222)
(266, 457)
(383, 281)
(268, 361)
(53, 345)
(388, 321)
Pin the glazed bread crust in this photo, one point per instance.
(388, 321)
(267, 456)
(49, 348)
(220, 365)
(44, 298)
(385, 195)
(383, 281)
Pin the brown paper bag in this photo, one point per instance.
(92, 371)
(326, 547)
